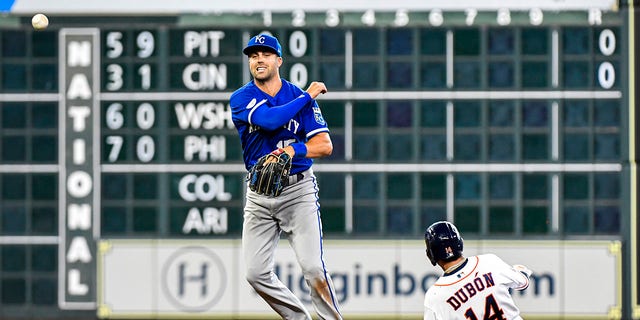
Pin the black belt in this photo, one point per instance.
(293, 179)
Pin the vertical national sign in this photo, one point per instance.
(79, 167)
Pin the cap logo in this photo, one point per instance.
(263, 40)
(448, 250)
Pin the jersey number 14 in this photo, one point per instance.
(491, 310)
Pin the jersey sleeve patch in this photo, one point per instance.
(317, 114)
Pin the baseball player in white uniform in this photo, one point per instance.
(473, 288)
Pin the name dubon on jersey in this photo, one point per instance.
(477, 291)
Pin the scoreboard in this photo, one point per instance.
(511, 121)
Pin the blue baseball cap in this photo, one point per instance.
(263, 41)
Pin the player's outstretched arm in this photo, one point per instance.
(521, 281)
(271, 118)
(274, 117)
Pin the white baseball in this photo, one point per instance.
(40, 21)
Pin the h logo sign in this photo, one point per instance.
(183, 278)
(194, 279)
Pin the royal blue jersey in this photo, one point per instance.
(266, 123)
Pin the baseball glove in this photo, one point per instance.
(268, 175)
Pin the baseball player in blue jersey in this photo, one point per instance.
(274, 116)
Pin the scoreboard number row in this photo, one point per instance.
(435, 17)
(189, 117)
(208, 76)
(145, 43)
(116, 80)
